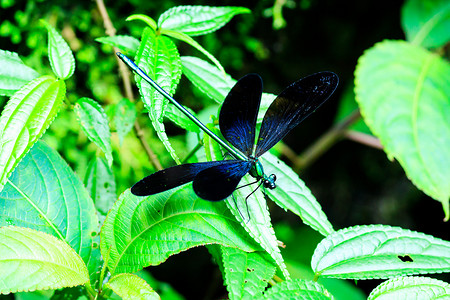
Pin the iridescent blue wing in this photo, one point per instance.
(218, 182)
(292, 106)
(237, 118)
(170, 178)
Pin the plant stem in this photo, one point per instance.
(123, 70)
(325, 142)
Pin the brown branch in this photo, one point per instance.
(325, 142)
(365, 139)
(123, 70)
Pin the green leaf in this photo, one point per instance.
(426, 22)
(130, 286)
(246, 275)
(143, 231)
(187, 39)
(402, 91)
(59, 53)
(159, 58)
(179, 118)
(249, 206)
(123, 42)
(13, 73)
(99, 181)
(198, 20)
(379, 251)
(292, 194)
(207, 78)
(297, 289)
(94, 122)
(146, 19)
(44, 194)
(33, 260)
(25, 118)
(411, 288)
(124, 117)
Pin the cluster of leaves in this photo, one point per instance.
(50, 219)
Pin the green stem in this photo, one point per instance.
(196, 148)
(144, 76)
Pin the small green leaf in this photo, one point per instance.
(427, 22)
(246, 275)
(146, 19)
(54, 201)
(13, 73)
(291, 193)
(187, 39)
(402, 91)
(59, 53)
(198, 20)
(32, 260)
(130, 286)
(25, 118)
(249, 206)
(159, 58)
(411, 288)
(124, 117)
(179, 118)
(99, 181)
(143, 231)
(297, 289)
(123, 42)
(94, 122)
(207, 78)
(379, 251)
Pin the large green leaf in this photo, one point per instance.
(207, 78)
(291, 193)
(403, 92)
(25, 118)
(198, 20)
(427, 22)
(249, 206)
(411, 288)
(143, 231)
(246, 275)
(159, 58)
(179, 118)
(94, 123)
(32, 260)
(59, 53)
(44, 194)
(130, 287)
(379, 251)
(297, 289)
(13, 73)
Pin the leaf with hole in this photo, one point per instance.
(379, 251)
